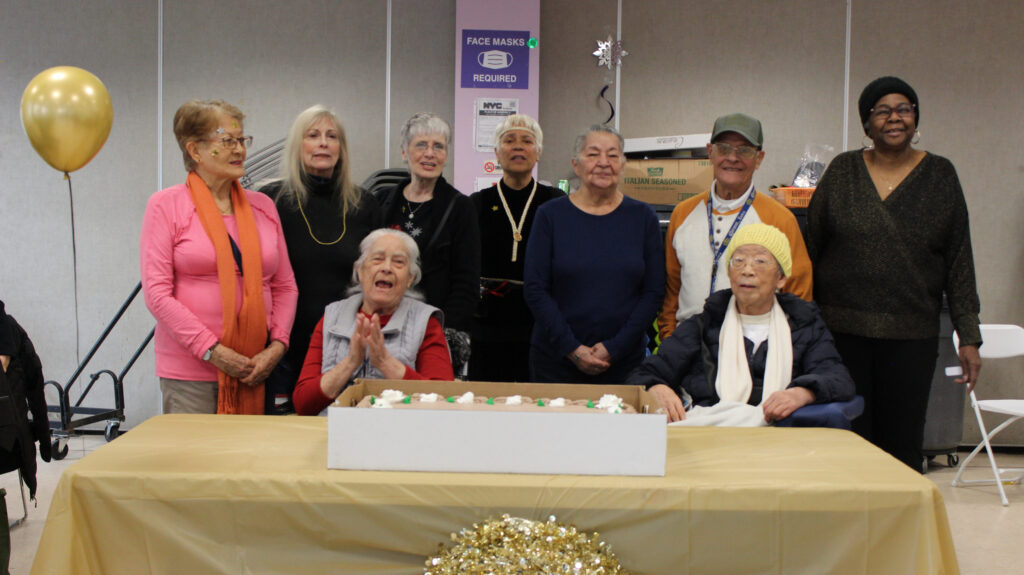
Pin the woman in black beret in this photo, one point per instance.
(888, 234)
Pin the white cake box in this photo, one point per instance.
(496, 441)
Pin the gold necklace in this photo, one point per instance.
(344, 221)
(903, 172)
(517, 230)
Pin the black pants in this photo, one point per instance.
(281, 382)
(499, 361)
(894, 376)
(5, 535)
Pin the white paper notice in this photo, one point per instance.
(485, 182)
(488, 114)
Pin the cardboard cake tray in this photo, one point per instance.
(495, 441)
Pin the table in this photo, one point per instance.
(251, 494)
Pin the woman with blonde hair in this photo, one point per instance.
(324, 216)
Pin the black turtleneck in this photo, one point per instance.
(322, 273)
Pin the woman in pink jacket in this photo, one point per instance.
(215, 272)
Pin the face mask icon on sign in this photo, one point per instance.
(494, 59)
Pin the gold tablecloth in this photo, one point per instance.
(243, 494)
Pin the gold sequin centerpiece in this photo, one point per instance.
(514, 545)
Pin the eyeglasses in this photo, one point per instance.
(229, 143)
(759, 263)
(422, 145)
(903, 111)
(725, 149)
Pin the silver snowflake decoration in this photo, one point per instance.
(413, 230)
(610, 53)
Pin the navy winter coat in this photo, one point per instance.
(688, 359)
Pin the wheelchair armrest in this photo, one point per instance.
(838, 414)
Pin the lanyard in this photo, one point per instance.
(717, 253)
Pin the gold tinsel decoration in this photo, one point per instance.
(513, 545)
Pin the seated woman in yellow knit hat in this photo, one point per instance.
(754, 355)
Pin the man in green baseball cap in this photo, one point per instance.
(701, 227)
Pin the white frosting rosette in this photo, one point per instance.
(610, 403)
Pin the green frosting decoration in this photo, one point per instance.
(590, 403)
(373, 400)
(540, 403)
(490, 401)
(451, 399)
(408, 399)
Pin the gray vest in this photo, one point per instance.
(403, 335)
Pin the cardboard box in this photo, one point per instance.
(666, 181)
(496, 441)
(667, 143)
(794, 197)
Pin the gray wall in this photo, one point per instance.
(783, 61)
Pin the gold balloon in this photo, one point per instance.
(67, 115)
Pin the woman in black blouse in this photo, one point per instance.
(441, 220)
(501, 333)
(888, 233)
(324, 217)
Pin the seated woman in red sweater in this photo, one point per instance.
(381, 331)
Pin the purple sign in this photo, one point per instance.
(495, 59)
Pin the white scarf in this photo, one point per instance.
(723, 414)
(733, 382)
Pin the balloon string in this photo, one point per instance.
(74, 268)
(610, 105)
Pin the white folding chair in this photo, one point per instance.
(1000, 341)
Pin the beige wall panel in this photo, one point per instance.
(116, 41)
(422, 67)
(963, 60)
(569, 76)
(274, 59)
(781, 62)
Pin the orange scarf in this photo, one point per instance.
(246, 331)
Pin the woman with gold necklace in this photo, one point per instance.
(324, 217)
(888, 234)
(501, 331)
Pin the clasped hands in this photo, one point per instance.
(591, 360)
(250, 371)
(368, 342)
